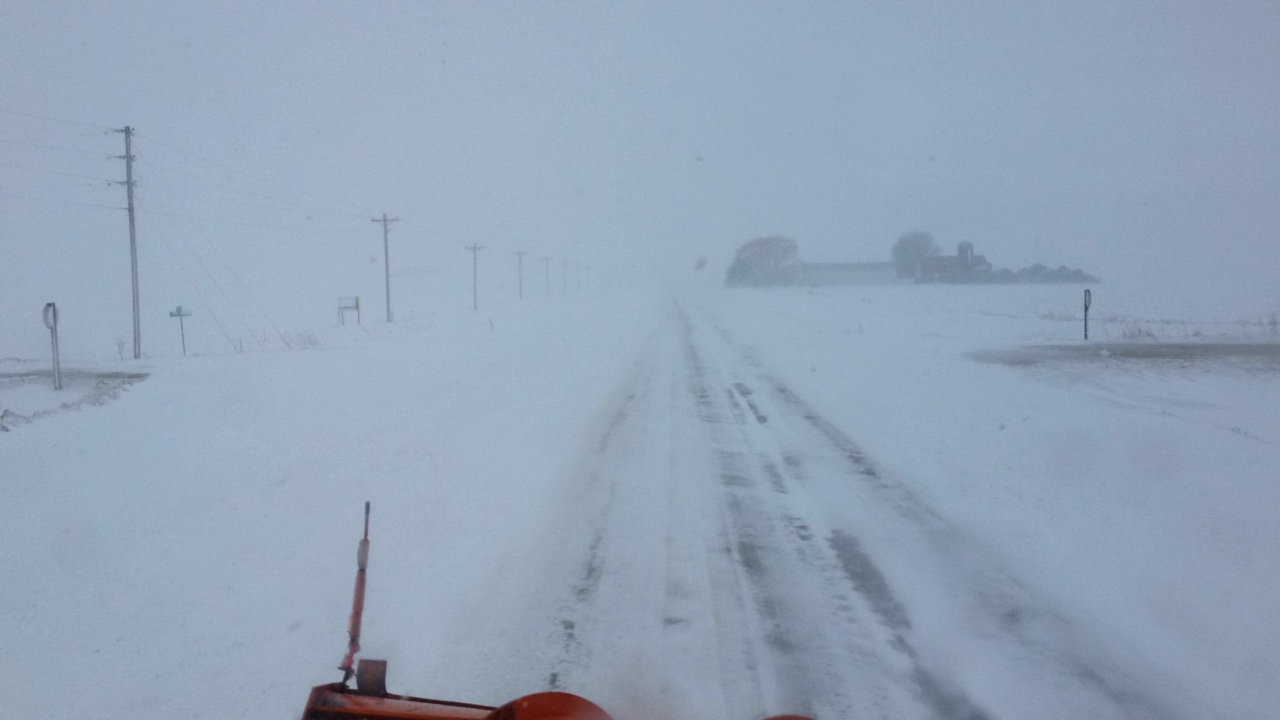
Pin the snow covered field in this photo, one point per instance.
(870, 502)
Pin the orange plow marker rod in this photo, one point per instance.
(357, 603)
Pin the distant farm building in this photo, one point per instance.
(854, 273)
(775, 262)
(964, 266)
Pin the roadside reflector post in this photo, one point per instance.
(1088, 300)
(182, 330)
(345, 304)
(51, 322)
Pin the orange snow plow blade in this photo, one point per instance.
(371, 701)
(337, 702)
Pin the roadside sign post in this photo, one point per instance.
(1088, 300)
(182, 330)
(345, 304)
(51, 322)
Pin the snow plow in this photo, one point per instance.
(369, 700)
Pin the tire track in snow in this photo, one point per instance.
(822, 647)
(750, 585)
(1005, 599)
(1010, 606)
(572, 654)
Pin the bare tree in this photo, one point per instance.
(908, 251)
(766, 261)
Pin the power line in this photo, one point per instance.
(56, 147)
(54, 119)
(231, 305)
(238, 171)
(234, 190)
(212, 221)
(61, 138)
(149, 138)
(192, 283)
(55, 172)
(62, 202)
(49, 185)
(221, 256)
(205, 179)
(328, 201)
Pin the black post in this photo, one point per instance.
(1088, 300)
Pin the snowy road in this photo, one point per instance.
(713, 560)
(714, 508)
(748, 585)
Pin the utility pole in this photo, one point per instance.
(520, 271)
(133, 236)
(546, 265)
(386, 257)
(475, 253)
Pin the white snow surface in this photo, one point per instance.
(703, 504)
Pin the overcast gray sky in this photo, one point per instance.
(1135, 140)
